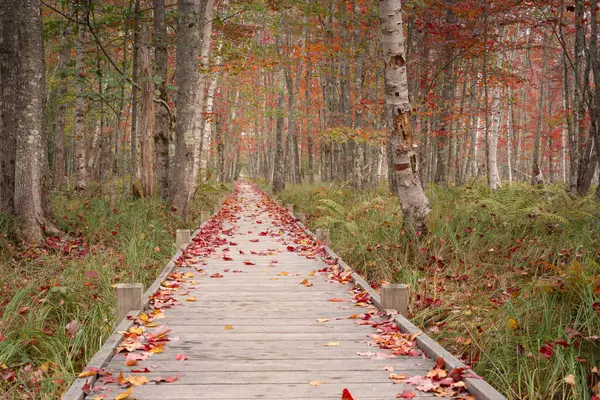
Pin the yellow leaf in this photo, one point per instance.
(273, 279)
(125, 394)
(570, 380)
(137, 331)
(331, 344)
(228, 327)
(512, 323)
(311, 273)
(130, 363)
(397, 377)
(144, 317)
(306, 283)
(315, 383)
(283, 273)
(188, 275)
(85, 374)
(158, 349)
(193, 298)
(137, 380)
(323, 320)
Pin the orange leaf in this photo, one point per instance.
(85, 374)
(336, 300)
(125, 394)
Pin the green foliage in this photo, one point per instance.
(58, 302)
(500, 275)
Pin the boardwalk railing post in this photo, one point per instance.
(323, 235)
(395, 297)
(204, 216)
(302, 218)
(129, 297)
(290, 208)
(183, 237)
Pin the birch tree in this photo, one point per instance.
(415, 205)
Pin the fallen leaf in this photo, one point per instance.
(512, 323)
(216, 275)
(181, 357)
(137, 380)
(228, 327)
(85, 374)
(192, 298)
(407, 394)
(346, 395)
(306, 283)
(570, 380)
(336, 300)
(397, 377)
(547, 350)
(332, 344)
(315, 383)
(125, 394)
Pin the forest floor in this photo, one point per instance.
(54, 314)
(508, 281)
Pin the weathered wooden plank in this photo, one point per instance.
(295, 351)
(282, 391)
(274, 365)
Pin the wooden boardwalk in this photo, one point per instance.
(252, 311)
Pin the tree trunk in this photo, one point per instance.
(203, 77)
(146, 121)
(279, 165)
(415, 205)
(162, 119)
(537, 178)
(61, 111)
(188, 39)
(23, 87)
(135, 177)
(81, 172)
(444, 138)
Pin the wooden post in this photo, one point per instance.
(395, 297)
(183, 237)
(302, 218)
(204, 216)
(129, 297)
(290, 208)
(323, 235)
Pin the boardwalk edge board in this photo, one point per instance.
(477, 387)
(106, 352)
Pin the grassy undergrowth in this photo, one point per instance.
(57, 301)
(509, 281)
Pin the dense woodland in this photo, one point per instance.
(165, 95)
(131, 100)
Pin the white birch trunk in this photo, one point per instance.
(415, 205)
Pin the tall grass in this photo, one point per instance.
(499, 276)
(57, 301)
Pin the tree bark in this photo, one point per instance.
(145, 124)
(537, 178)
(279, 165)
(448, 89)
(81, 172)
(162, 120)
(188, 40)
(21, 38)
(201, 97)
(415, 205)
